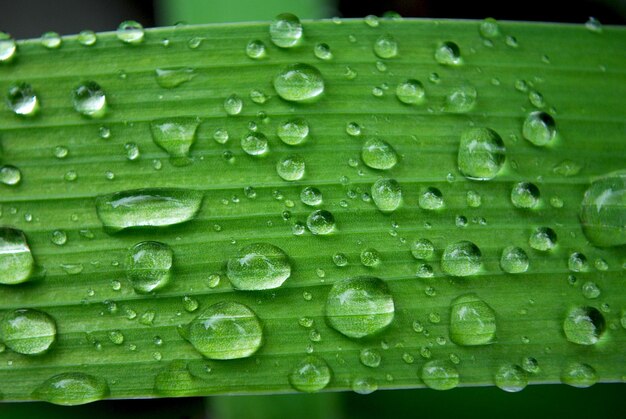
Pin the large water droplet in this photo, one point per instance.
(72, 388)
(175, 136)
(514, 260)
(172, 77)
(89, 99)
(448, 53)
(525, 195)
(440, 375)
(226, 330)
(579, 375)
(291, 168)
(539, 128)
(461, 259)
(286, 30)
(255, 143)
(299, 83)
(294, 131)
(28, 332)
(584, 325)
(310, 375)
(359, 307)
(7, 47)
(23, 100)
(259, 266)
(130, 32)
(543, 239)
(472, 321)
(411, 92)
(155, 207)
(149, 266)
(603, 211)
(16, 259)
(379, 154)
(321, 222)
(10, 175)
(386, 194)
(481, 154)
(386, 46)
(511, 378)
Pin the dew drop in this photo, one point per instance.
(370, 357)
(431, 199)
(579, 375)
(291, 168)
(359, 307)
(256, 49)
(481, 154)
(525, 195)
(539, 128)
(233, 105)
(387, 194)
(258, 266)
(514, 260)
(89, 99)
(411, 92)
(175, 136)
(340, 259)
(28, 332)
(386, 46)
(16, 260)
(489, 28)
(543, 239)
(311, 196)
(171, 77)
(294, 131)
(23, 100)
(370, 257)
(577, 262)
(448, 53)
(130, 32)
(7, 47)
(353, 129)
(440, 375)
(321, 222)
(511, 378)
(10, 175)
(254, 143)
(286, 31)
(584, 325)
(51, 40)
(364, 385)
(379, 154)
(461, 259)
(72, 388)
(590, 290)
(322, 51)
(310, 375)
(149, 266)
(593, 25)
(422, 249)
(603, 211)
(87, 38)
(461, 99)
(299, 83)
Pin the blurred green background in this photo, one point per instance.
(30, 18)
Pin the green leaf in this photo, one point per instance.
(444, 196)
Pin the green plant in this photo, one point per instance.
(373, 204)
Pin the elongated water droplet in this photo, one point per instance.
(16, 260)
(130, 32)
(10, 175)
(440, 375)
(386, 46)
(256, 49)
(584, 325)
(299, 83)
(379, 154)
(28, 332)
(543, 239)
(472, 321)
(89, 99)
(511, 378)
(461, 259)
(579, 375)
(310, 375)
(370, 357)
(226, 330)
(291, 168)
(539, 128)
(514, 260)
(286, 30)
(359, 307)
(72, 388)
(411, 92)
(155, 207)
(255, 143)
(149, 266)
(7, 47)
(87, 38)
(172, 77)
(23, 100)
(259, 266)
(448, 53)
(294, 131)
(386, 194)
(481, 154)
(175, 136)
(603, 211)
(321, 222)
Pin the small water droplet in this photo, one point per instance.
(89, 99)
(23, 100)
(364, 385)
(370, 257)
(431, 199)
(310, 375)
(255, 143)
(387, 194)
(10, 175)
(58, 237)
(474, 200)
(372, 21)
(286, 31)
(28, 332)
(51, 40)
(422, 249)
(514, 260)
(132, 151)
(311, 196)
(299, 83)
(593, 25)
(321, 222)
(87, 38)
(448, 53)
(461, 259)
(411, 92)
(258, 266)
(291, 168)
(539, 128)
(130, 32)
(386, 46)
(233, 105)
(379, 154)
(171, 77)
(294, 131)
(71, 389)
(481, 154)
(461, 99)
(543, 239)
(7, 47)
(590, 290)
(440, 375)
(370, 357)
(579, 375)
(577, 262)
(149, 266)
(584, 325)
(472, 321)
(525, 195)
(256, 49)
(511, 378)
(322, 51)
(489, 28)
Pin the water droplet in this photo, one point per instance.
(291, 168)
(51, 40)
(577, 262)
(461, 99)
(386, 46)
(233, 105)
(584, 325)
(422, 249)
(448, 53)
(299, 83)
(175, 136)
(461, 259)
(364, 385)
(431, 199)
(258, 266)
(149, 266)
(474, 200)
(353, 129)
(359, 307)
(132, 151)
(130, 32)
(322, 51)
(61, 152)
(590, 290)
(489, 28)
(310, 375)
(89, 99)
(28, 332)
(481, 154)
(370, 257)
(286, 30)
(87, 38)
(440, 375)
(321, 222)
(411, 92)
(258, 97)
(155, 207)
(370, 357)
(7, 47)
(511, 378)
(58, 237)
(256, 49)
(603, 211)
(311, 196)
(116, 337)
(372, 21)
(386, 194)
(72, 388)
(340, 259)
(23, 100)
(579, 375)
(539, 128)
(10, 175)
(379, 154)
(543, 239)
(255, 143)
(226, 330)
(514, 260)
(593, 25)
(294, 131)
(172, 77)
(16, 260)
(472, 321)
(525, 195)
